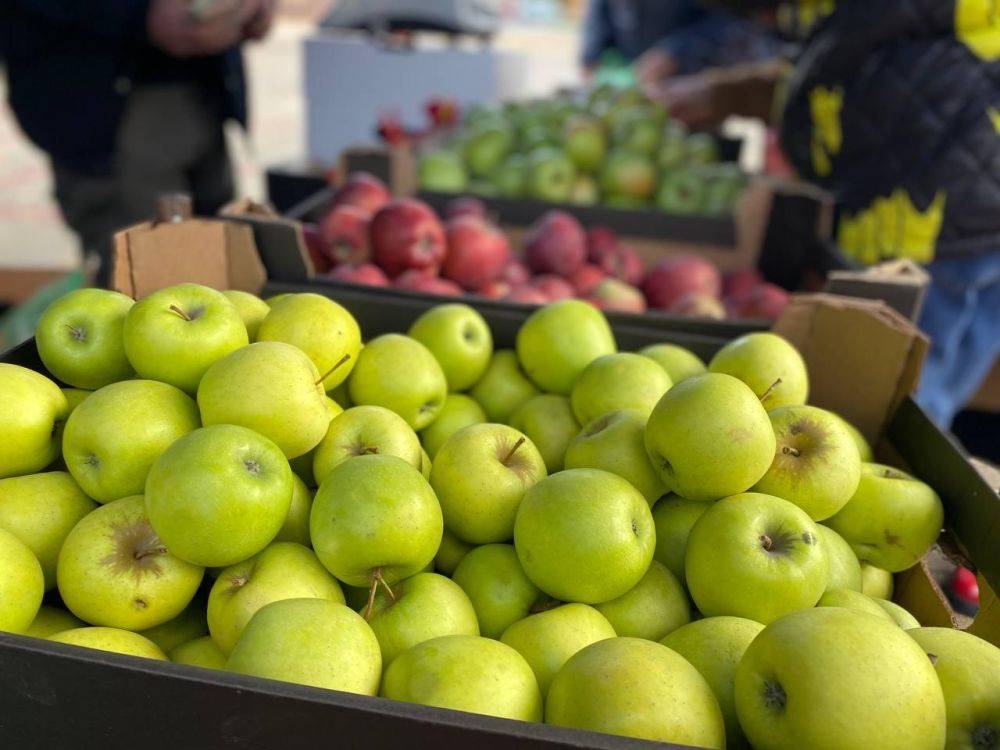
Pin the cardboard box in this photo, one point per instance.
(901, 284)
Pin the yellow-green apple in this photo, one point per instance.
(503, 387)
(493, 579)
(511, 176)
(365, 430)
(678, 276)
(296, 525)
(853, 600)
(276, 298)
(425, 465)
(673, 519)
(584, 535)
(585, 142)
(219, 495)
(458, 411)
(442, 171)
(830, 677)
(451, 552)
(477, 253)
(549, 175)
(585, 190)
(773, 368)
(637, 130)
(696, 305)
(21, 585)
(547, 420)
(864, 448)
(486, 146)
(79, 338)
(891, 520)
(188, 625)
(406, 234)
(655, 606)
(200, 652)
(313, 642)
(876, 582)
(556, 244)
(709, 437)
(115, 640)
(459, 339)
(252, 310)
(50, 620)
(113, 438)
(628, 175)
(31, 409)
(618, 381)
(755, 556)
(635, 688)
(844, 568)
(175, 334)
(899, 615)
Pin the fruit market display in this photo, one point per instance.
(637, 543)
(368, 238)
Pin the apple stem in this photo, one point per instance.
(176, 309)
(143, 553)
(790, 451)
(385, 585)
(326, 374)
(510, 455)
(766, 542)
(376, 577)
(770, 389)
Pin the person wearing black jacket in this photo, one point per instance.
(128, 99)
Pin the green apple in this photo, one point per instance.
(967, 668)
(637, 131)
(274, 299)
(111, 639)
(830, 677)
(550, 174)
(401, 374)
(79, 338)
(709, 437)
(892, 519)
(252, 310)
(365, 430)
(844, 568)
(313, 642)
(219, 495)
(282, 570)
(557, 342)
(673, 519)
(451, 552)
(511, 176)
(31, 408)
(673, 146)
(584, 535)
(327, 333)
(50, 620)
(201, 652)
(755, 556)
(296, 525)
(465, 673)
(618, 381)
(40, 510)
(480, 476)
(876, 582)
(864, 448)
(442, 171)
(635, 688)
(773, 368)
(272, 388)
(702, 148)
(175, 334)
(585, 142)
(114, 437)
(302, 466)
(899, 615)
(628, 175)
(853, 600)
(585, 191)
(503, 387)
(21, 585)
(458, 411)
(375, 519)
(548, 639)
(614, 442)
(425, 465)
(816, 463)
(655, 606)
(420, 608)
(714, 646)
(188, 625)
(460, 340)
(681, 191)
(679, 362)
(486, 147)
(116, 572)
(500, 592)
(547, 420)
(74, 397)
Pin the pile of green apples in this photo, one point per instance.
(615, 148)
(631, 543)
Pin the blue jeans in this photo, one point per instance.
(962, 317)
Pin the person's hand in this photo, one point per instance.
(172, 28)
(696, 100)
(653, 68)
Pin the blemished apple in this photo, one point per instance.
(79, 338)
(503, 387)
(548, 422)
(296, 525)
(219, 495)
(617, 296)
(586, 278)
(628, 175)
(655, 606)
(40, 510)
(200, 652)
(51, 620)
(670, 280)
(361, 431)
(696, 305)
(709, 437)
(21, 586)
(585, 142)
(465, 673)
(556, 243)
(401, 374)
(364, 190)
(555, 344)
(252, 310)
(673, 519)
(553, 287)
(584, 535)
(496, 584)
(364, 273)
(314, 642)
(891, 520)
(458, 411)
(406, 234)
(460, 340)
(635, 688)
(114, 640)
(754, 556)
(442, 171)
(876, 582)
(327, 333)
(855, 601)
(288, 405)
(898, 614)
(477, 252)
(450, 554)
(31, 408)
(844, 568)
(344, 233)
(832, 675)
(425, 282)
(773, 368)
(714, 646)
(680, 363)
(618, 381)
(112, 439)
(188, 625)
(116, 572)
(422, 607)
(175, 334)
(480, 476)
(549, 175)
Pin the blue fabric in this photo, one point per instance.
(962, 317)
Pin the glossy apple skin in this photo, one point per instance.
(680, 275)
(406, 234)
(477, 252)
(364, 191)
(345, 234)
(556, 244)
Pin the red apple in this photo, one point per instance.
(465, 206)
(515, 273)
(738, 284)
(556, 244)
(623, 263)
(421, 281)
(364, 273)
(680, 275)
(586, 278)
(765, 301)
(477, 252)
(528, 295)
(554, 287)
(616, 295)
(601, 242)
(363, 190)
(495, 290)
(316, 247)
(406, 235)
(345, 232)
(696, 305)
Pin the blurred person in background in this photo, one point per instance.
(128, 98)
(894, 107)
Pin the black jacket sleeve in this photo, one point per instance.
(110, 19)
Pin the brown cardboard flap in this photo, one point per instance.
(918, 593)
(281, 246)
(902, 284)
(987, 622)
